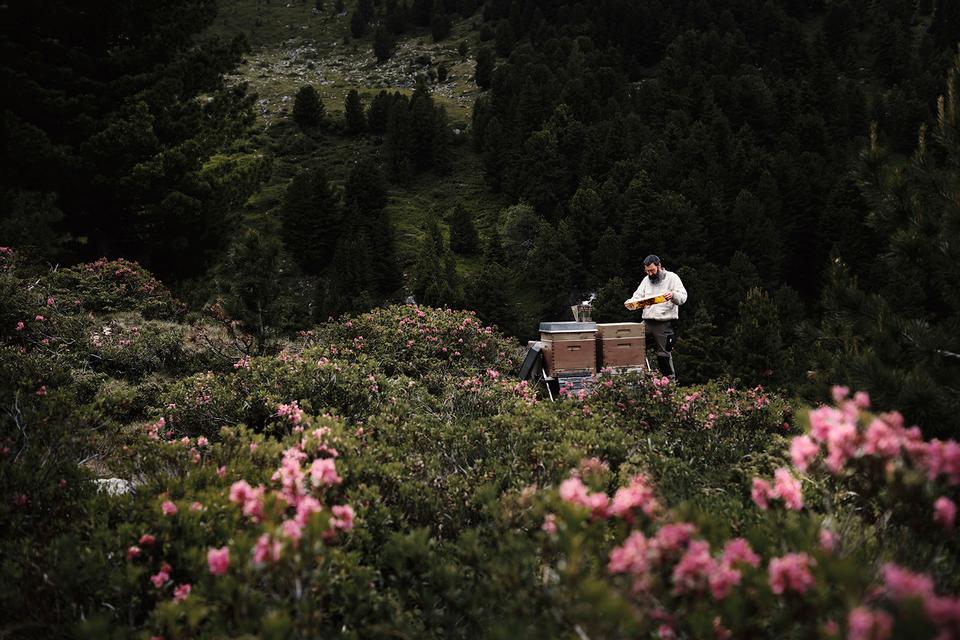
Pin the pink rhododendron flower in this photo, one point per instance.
(902, 584)
(573, 490)
(169, 508)
(694, 568)
(666, 632)
(943, 458)
(218, 560)
(822, 422)
(323, 471)
(861, 399)
(181, 592)
(549, 524)
(790, 573)
(672, 538)
(631, 557)
(945, 512)
(881, 439)
(202, 442)
(20, 325)
(291, 530)
(787, 488)
(240, 491)
(803, 450)
(761, 492)
(342, 517)
(722, 579)
(133, 552)
(839, 393)
(638, 495)
(159, 579)
(39, 318)
(147, 540)
(266, 550)
(196, 506)
(828, 541)
(49, 302)
(738, 550)
(307, 507)
(221, 471)
(253, 447)
(865, 624)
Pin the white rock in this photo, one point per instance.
(114, 486)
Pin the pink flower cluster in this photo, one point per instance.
(785, 487)
(836, 429)
(791, 573)
(901, 585)
(637, 496)
(696, 569)
(291, 412)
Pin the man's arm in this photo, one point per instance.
(639, 294)
(679, 292)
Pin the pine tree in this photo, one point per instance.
(398, 141)
(701, 348)
(901, 340)
(439, 22)
(505, 38)
(310, 221)
(255, 290)
(464, 239)
(358, 25)
(434, 275)
(383, 44)
(351, 283)
(353, 117)
(483, 73)
(378, 112)
(365, 187)
(757, 353)
(489, 290)
(308, 109)
(494, 153)
(422, 128)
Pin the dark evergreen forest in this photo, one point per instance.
(796, 162)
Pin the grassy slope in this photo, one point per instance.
(292, 46)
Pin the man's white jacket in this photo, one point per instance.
(668, 310)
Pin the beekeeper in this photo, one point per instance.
(659, 316)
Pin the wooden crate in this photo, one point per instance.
(619, 353)
(620, 330)
(570, 355)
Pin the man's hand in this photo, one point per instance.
(668, 295)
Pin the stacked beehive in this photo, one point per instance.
(622, 345)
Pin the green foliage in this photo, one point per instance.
(383, 44)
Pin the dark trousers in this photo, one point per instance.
(660, 337)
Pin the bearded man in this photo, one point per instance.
(660, 316)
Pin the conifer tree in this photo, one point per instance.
(757, 352)
(308, 109)
(383, 43)
(378, 113)
(439, 22)
(255, 290)
(422, 128)
(365, 187)
(398, 141)
(702, 347)
(464, 239)
(489, 290)
(358, 25)
(483, 73)
(310, 221)
(353, 117)
(434, 275)
(901, 340)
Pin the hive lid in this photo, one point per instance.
(567, 327)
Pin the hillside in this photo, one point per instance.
(387, 475)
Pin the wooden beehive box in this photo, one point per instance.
(569, 347)
(622, 345)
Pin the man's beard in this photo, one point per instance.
(657, 277)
